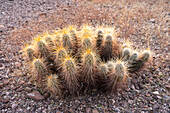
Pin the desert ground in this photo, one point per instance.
(144, 22)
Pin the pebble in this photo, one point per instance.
(95, 111)
(17, 64)
(117, 110)
(152, 20)
(166, 97)
(14, 105)
(6, 99)
(35, 95)
(168, 87)
(5, 82)
(2, 66)
(156, 92)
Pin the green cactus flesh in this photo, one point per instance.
(40, 68)
(99, 38)
(30, 53)
(43, 49)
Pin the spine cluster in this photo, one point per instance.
(74, 61)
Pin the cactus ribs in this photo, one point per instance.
(75, 61)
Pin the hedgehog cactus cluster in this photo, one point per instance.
(79, 60)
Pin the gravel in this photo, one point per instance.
(144, 23)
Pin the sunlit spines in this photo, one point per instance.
(86, 31)
(126, 53)
(103, 70)
(39, 66)
(42, 48)
(134, 56)
(52, 84)
(117, 77)
(60, 53)
(89, 58)
(142, 59)
(127, 44)
(48, 40)
(107, 48)
(99, 38)
(87, 43)
(145, 56)
(29, 52)
(70, 74)
(67, 41)
(74, 37)
(110, 65)
(57, 37)
(120, 69)
(89, 62)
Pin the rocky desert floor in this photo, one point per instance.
(144, 22)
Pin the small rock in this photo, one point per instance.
(14, 105)
(6, 99)
(88, 110)
(46, 95)
(21, 82)
(28, 89)
(1, 85)
(166, 97)
(35, 95)
(117, 110)
(111, 101)
(2, 26)
(5, 82)
(17, 64)
(95, 111)
(152, 20)
(159, 97)
(156, 92)
(130, 101)
(167, 86)
(2, 66)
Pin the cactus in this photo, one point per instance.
(49, 41)
(60, 54)
(43, 49)
(39, 67)
(88, 68)
(87, 43)
(126, 54)
(107, 50)
(103, 70)
(99, 38)
(82, 60)
(70, 74)
(134, 56)
(102, 76)
(110, 65)
(52, 84)
(139, 60)
(117, 76)
(29, 52)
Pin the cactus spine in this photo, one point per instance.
(70, 74)
(82, 59)
(52, 84)
(39, 66)
(88, 67)
(107, 49)
(99, 38)
(126, 54)
(138, 61)
(117, 76)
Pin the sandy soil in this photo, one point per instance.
(145, 23)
